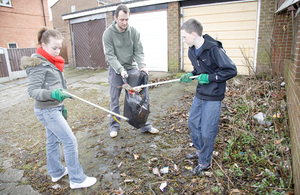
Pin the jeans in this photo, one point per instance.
(58, 130)
(203, 126)
(115, 92)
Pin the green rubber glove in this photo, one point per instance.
(59, 95)
(186, 78)
(65, 113)
(203, 79)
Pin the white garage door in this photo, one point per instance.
(234, 24)
(153, 28)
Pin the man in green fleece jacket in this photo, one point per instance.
(124, 55)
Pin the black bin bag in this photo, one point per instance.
(136, 105)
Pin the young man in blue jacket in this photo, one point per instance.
(214, 68)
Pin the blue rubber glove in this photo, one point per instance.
(65, 113)
(59, 95)
(186, 78)
(203, 79)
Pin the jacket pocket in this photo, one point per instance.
(212, 89)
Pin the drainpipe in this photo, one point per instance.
(44, 13)
(256, 35)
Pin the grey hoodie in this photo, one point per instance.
(123, 49)
(43, 77)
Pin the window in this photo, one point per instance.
(5, 2)
(73, 8)
(12, 45)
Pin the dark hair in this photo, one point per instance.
(44, 34)
(123, 8)
(192, 25)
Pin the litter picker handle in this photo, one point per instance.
(90, 103)
(159, 83)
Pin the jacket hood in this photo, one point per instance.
(210, 42)
(32, 61)
(114, 28)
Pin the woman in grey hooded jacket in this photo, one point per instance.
(46, 84)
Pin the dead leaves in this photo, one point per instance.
(120, 191)
(129, 150)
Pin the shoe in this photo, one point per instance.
(55, 179)
(89, 181)
(192, 155)
(113, 134)
(201, 167)
(153, 130)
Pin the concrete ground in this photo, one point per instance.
(23, 135)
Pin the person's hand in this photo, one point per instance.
(203, 79)
(144, 69)
(58, 94)
(124, 73)
(65, 113)
(186, 78)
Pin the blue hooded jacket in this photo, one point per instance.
(212, 60)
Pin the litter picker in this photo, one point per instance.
(110, 112)
(138, 88)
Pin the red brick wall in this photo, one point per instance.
(21, 22)
(296, 67)
(174, 36)
(282, 40)
(64, 6)
(292, 79)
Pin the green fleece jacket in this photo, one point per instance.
(123, 50)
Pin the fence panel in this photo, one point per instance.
(3, 66)
(15, 56)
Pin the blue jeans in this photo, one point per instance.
(58, 130)
(203, 126)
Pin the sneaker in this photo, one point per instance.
(113, 134)
(201, 167)
(55, 179)
(153, 130)
(89, 181)
(192, 155)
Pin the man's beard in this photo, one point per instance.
(123, 29)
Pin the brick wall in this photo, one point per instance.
(109, 18)
(21, 22)
(292, 79)
(266, 23)
(174, 36)
(68, 41)
(282, 40)
(64, 6)
(57, 10)
(296, 67)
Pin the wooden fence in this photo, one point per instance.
(10, 62)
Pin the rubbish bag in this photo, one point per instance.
(136, 105)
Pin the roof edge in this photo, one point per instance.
(286, 5)
(113, 7)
